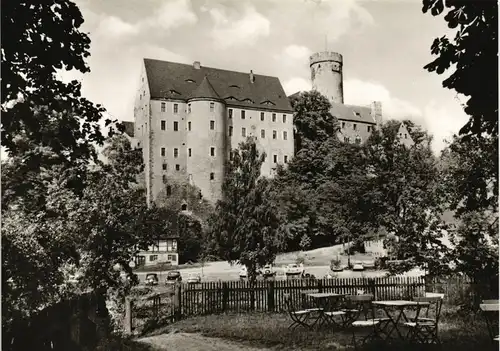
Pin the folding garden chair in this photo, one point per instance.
(424, 328)
(361, 315)
(299, 318)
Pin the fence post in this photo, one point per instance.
(127, 323)
(320, 286)
(373, 288)
(270, 296)
(177, 302)
(225, 295)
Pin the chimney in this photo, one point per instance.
(196, 64)
(376, 112)
(252, 78)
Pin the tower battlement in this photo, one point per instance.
(325, 56)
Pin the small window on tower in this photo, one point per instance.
(242, 114)
(274, 117)
(354, 126)
(176, 108)
(406, 136)
(262, 133)
(212, 125)
(212, 151)
(275, 158)
(189, 152)
(162, 107)
(177, 167)
(163, 151)
(189, 126)
(262, 116)
(176, 126)
(164, 178)
(230, 130)
(163, 125)
(230, 111)
(176, 152)
(184, 207)
(164, 166)
(284, 118)
(189, 108)
(212, 176)
(212, 107)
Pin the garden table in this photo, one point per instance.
(491, 311)
(393, 319)
(327, 303)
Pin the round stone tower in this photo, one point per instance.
(326, 75)
(206, 140)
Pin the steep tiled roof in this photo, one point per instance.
(177, 80)
(204, 90)
(129, 128)
(352, 113)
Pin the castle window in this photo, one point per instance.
(230, 130)
(284, 118)
(347, 140)
(189, 152)
(169, 190)
(212, 151)
(153, 258)
(243, 132)
(212, 125)
(164, 178)
(162, 107)
(285, 135)
(354, 126)
(400, 135)
(176, 126)
(406, 136)
(285, 159)
(189, 108)
(274, 134)
(164, 166)
(212, 107)
(189, 80)
(275, 158)
(189, 126)
(262, 133)
(176, 152)
(230, 113)
(212, 176)
(358, 139)
(163, 125)
(176, 108)
(262, 116)
(184, 207)
(343, 125)
(163, 151)
(177, 167)
(369, 129)
(242, 114)
(274, 117)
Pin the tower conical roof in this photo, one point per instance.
(204, 90)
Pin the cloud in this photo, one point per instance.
(297, 52)
(243, 31)
(174, 14)
(296, 84)
(112, 26)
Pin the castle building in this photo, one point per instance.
(356, 122)
(189, 117)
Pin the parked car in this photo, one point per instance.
(173, 277)
(358, 266)
(294, 269)
(243, 272)
(268, 271)
(193, 278)
(152, 279)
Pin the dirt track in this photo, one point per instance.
(195, 342)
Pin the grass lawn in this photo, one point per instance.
(457, 332)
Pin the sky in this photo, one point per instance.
(385, 45)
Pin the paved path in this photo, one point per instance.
(195, 342)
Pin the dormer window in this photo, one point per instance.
(248, 100)
(267, 102)
(174, 92)
(232, 98)
(189, 80)
(357, 114)
(234, 86)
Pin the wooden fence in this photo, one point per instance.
(187, 300)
